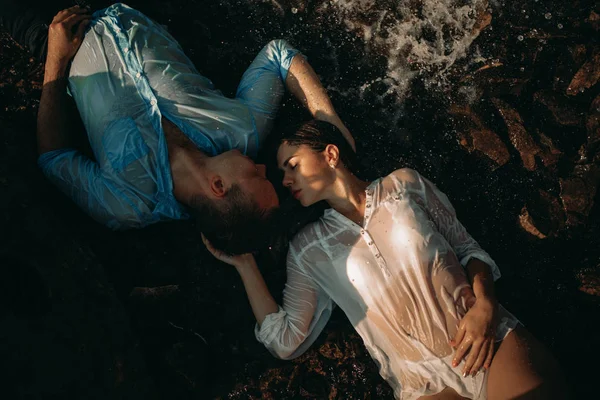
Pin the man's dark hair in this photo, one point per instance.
(317, 135)
(234, 224)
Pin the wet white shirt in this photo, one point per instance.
(398, 278)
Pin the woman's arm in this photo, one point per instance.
(259, 296)
(304, 84)
(286, 331)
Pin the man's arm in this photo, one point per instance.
(63, 43)
(303, 82)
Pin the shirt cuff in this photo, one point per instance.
(270, 327)
(482, 256)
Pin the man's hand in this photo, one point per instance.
(65, 35)
(475, 336)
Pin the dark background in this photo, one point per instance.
(89, 313)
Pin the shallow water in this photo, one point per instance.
(416, 83)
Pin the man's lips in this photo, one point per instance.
(296, 193)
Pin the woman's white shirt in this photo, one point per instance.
(398, 278)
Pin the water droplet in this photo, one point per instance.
(520, 38)
(548, 16)
(560, 26)
(294, 10)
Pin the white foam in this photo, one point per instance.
(423, 37)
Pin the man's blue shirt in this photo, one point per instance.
(128, 74)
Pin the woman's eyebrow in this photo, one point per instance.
(285, 163)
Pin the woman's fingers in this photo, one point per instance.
(481, 357)
(490, 355)
(462, 349)
(460, 334)
(208, 245)
(472, 357)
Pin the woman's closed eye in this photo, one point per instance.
(293, 167)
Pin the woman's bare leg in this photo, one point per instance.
(523, 369)
(446, 394)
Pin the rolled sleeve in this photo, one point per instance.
(290, 331)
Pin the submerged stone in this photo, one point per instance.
(519, 137)
(474, 136)
(564, 112)
(543, 215)
(577, 192)
(592, 125)
(587, 76)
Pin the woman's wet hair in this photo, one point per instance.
(317, 135)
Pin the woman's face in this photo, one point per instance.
(305, 172)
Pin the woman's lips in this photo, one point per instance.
(296, 193)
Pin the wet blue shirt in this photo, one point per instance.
(127, 75)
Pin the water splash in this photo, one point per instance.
(417, 37)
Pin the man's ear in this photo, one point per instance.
(217, 186)
(332, 154)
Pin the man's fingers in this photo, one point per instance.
(482, 355)
(82, 26)
(462, 349)
(64, 14)
(73, 19)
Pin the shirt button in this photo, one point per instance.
(138, 75)
(153, 102)
(362, 231)
(377, 255)
(370, 243)
(126, 50)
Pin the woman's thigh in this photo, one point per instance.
(522, 368)
(446, 394)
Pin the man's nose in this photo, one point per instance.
(262, 170)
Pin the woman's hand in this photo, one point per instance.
(475, 336)
(240, 261)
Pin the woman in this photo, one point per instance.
(413, 283)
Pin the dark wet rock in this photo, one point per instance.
(564, 112)
(497, 81)
(549, 153)
(518, 135)
(474, 136)
(587, 76)
(578, 53)
(543, 215)
(577, 192)
(594, 20)
(154, 292)
(589, 280)
(87, 338)
(592, 124)
(528, 224)
(187, 362)
(568, 62)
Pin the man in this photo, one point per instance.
(166, 142)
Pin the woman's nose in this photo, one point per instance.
(287, 180)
